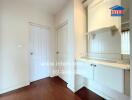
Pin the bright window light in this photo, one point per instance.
(125, 42)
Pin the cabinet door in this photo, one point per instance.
(110, 77)
(84, 69)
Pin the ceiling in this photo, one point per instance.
(52, 6)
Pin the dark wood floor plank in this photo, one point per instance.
(86, 94)
(47, 89)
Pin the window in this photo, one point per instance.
(125, 42)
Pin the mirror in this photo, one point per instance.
(104, 47)
(125, 33)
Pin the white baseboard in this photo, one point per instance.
(100, 89)
(99, 92)
(105, 92)
(79, 88)
(54, 74)
(71, 88)
(68, 85)
(23, 84)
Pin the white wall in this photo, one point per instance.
(130, 2)
(0, 43)
(80, 37)
(67, 14)
(15, 32)
(80, 28)
(74, 13)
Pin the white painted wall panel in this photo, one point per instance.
(130, 2)
(15, 16)
(80, 29)
(67, 14)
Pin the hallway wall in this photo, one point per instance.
(67, 15)
(130, 2)
(14, 30)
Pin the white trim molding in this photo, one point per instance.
(15, 87)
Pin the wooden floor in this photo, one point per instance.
(45, 89)
(86, 94)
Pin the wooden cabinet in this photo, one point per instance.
(114, 78)
(110, 77)
(85, 69)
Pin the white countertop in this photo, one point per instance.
(109, 64)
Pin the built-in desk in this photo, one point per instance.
(107, 63)
(113, 75)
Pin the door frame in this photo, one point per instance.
(30, 24)
(57, 28)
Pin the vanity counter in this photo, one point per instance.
(109, 64)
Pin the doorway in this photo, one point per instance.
(62, 52)
(39, 53)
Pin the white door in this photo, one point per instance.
(40, 53)
(63, 51)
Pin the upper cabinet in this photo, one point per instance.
(99, 15)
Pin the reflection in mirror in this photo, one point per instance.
(125, 34)
(125, 44)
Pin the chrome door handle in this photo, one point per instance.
(94, 65)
